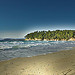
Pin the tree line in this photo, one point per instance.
(48, 35)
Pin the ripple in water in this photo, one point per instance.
(12, 49)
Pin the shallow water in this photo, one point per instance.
(11, 49)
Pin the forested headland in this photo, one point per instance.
(51, 35)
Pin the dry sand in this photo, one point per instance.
(59, 63)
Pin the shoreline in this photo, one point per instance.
(71, 39)
(73, 48)
(57, 63)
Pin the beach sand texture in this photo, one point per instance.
(58, 63)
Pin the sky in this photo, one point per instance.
(19, 17)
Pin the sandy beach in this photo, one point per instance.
(58, 63)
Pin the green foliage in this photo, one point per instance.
(58, 34)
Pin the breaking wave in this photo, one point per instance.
(21, 48)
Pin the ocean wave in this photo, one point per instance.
(26, 44)
(12, 49)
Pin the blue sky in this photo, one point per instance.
(19, 17)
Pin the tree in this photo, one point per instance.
(58, 34)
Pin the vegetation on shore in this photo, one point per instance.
(51, 35)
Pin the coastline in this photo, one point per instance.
(71, 39)
(58, 63)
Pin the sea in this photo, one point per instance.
(12, 48)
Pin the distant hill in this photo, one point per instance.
(11, 39)
(52, 35)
